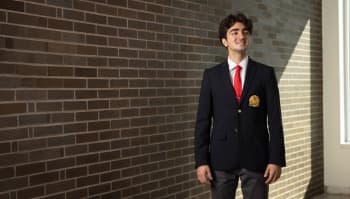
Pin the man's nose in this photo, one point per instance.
(241, 34)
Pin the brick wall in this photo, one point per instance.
(98, 97)
(288, 36)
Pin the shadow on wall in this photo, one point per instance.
(288, 34)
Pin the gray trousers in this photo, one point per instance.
(225, 184)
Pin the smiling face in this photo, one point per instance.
(237, 39)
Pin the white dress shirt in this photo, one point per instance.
(232, 65)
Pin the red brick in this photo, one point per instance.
(96, 40)
(60, 186)
(31, 192)
(7, 172)
(46, 154)
(136, 5)
(98, 168)
(27, 19)
(86, 94)
(62, 117)
(61, 48)
(41, 10)
(96, 19)
(81, 5)
(89, 180)
(57, 196)
(119, 184)
(30, 169)
(146, 16)
(49, 106)
(133, 190)
(34, 119)
(14, 134)
(72, 128)
(105, 9)
(87, 50)
(117, 3)
(76, 172)
(75, 60)
(101, 188)
(65, 3)
(136, 24)
(111, 155)
(12, 108)
(117, 21)
(8, 121)
(24, 44)
(47, 131)
(127, 13)
(86, 159)
(32, 144)
(86, 28)
(12, 5)
(14, 158)
(60, 163)
(60, 71)
(98, 83)
(2, 16)
(43, 178)
(30, 70)
(85, 72)
(74, 83)
(72, 37)
(108, 52)
(84, 116)
(72, 14)
(7, 95)
(127, 33)
(9, 82)
(61, 141)
(110, 176)
(77, 193)
(42, 33)
(93, 126)
(87, 137)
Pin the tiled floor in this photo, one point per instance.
(329, 196)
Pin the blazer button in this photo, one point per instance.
(236, 130)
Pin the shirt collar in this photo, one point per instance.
(232, 64)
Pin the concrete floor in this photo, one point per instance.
(331, 196)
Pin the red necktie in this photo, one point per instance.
(238, 83)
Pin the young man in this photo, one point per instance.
(239, 133)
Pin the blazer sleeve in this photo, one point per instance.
(276, 146)
(203, 123)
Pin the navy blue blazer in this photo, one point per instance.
(249, 135)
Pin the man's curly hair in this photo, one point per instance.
(230, 20)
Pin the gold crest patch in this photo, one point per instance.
(254, 101)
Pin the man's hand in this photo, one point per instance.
(204, 175)
(272, 173)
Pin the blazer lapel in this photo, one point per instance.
(251, 70)
(228, 83)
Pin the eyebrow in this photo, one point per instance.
(237, 29)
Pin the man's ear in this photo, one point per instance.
(224, 42)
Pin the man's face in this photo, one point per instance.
(237, 38)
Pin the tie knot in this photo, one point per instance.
(238, 67)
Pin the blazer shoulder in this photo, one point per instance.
(261, 65)
(216, 68)
(262, 68)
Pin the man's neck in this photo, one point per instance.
(237, 57)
